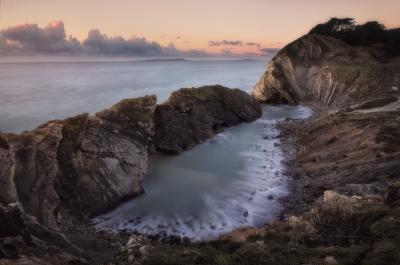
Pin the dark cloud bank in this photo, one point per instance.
(52, 39)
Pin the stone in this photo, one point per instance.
(82, 165)
(325, 71)
(192, 115)
(330, 260)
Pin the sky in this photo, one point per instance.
(171, 26)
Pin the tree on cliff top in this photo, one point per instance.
(368, 34)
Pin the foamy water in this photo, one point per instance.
(233, 180)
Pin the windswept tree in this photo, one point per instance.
(334, 25)
(371, 33)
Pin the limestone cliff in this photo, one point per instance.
(192, 115)
(69, 170)
(326, 71)
(78, 166)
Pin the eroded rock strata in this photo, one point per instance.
(326, 71)
(190, 116)
(344, 163)
(66, 171)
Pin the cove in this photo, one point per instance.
(233, 180)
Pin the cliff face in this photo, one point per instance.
(82, 165)
(191, 116)
(326, 71)
(344, 164)
(68, 170)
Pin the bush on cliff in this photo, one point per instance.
(369, 34)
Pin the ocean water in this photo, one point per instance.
(32, 93)
(235, 179)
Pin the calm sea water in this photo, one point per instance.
(33, 93)
(235, 179)
(232, 180)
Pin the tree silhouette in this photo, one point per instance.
(368, 34)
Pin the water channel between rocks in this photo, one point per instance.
(233, 180)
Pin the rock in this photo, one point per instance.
(186, 240)
(34, 169)
(330, 260)
(12, 224)
(326, 71)
(8, 191)
(20, 238)
(81, 165)
(192, 115)
(392, 197)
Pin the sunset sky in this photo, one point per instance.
(240, 26)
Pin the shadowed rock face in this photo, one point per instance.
(68, 170)
(326, 71)
(80, 166)
(344, 160)
(87, 164)
(192, 115)
(354, 151)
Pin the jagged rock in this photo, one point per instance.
(8, 192)
(81, 165)
(192, 115)
(33, 171)
(325, 71)
(23, 242)
(330, 260)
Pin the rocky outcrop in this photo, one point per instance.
(22, 241)
(87, 164)
(354, 151)
(326, 71)
(66, 171)
(103, 158)
(192, 115)
(344, 164)
(79, 166)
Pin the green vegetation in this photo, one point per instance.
(368, 34)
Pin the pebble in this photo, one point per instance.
(330, 260)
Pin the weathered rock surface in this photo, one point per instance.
(192, 115)
(79, 166)
(353, 150)
(23, 241)
(66, 171)
(103, 158)
(326, 71)
(345, 164)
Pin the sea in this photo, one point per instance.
(236, 179)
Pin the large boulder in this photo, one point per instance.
(326, 71)
(103, 158)
(30, 171)
(81, 165)
(192, 115)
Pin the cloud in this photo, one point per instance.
(225, 43)
(98, 43)
(52, 39)
(233, 43)
(269, 51)
(29, 37)
(253, 44)
(172, 51)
